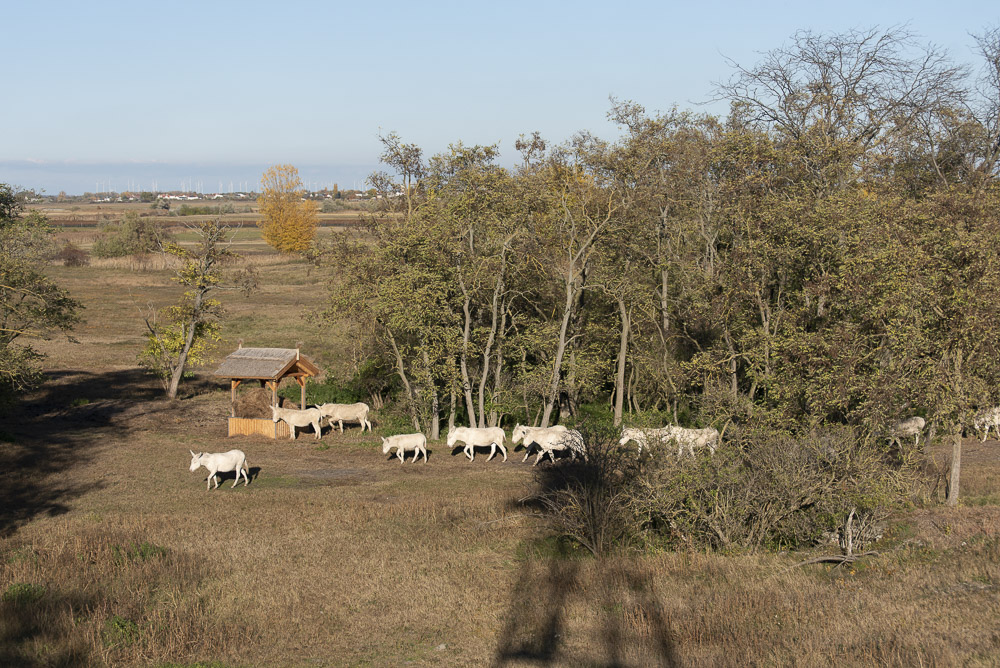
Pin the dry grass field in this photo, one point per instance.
(113, 553)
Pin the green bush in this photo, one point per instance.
(371, 378)
(206, 210)
(137, 552)
(23, 593)
(120, 632)
(764, 490)
(130, 235)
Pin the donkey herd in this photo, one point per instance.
(547, 441)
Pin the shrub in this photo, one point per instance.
(589, 502)
(23, 593)
(206, 210)
(369, 384)
(772, 490)
(72, 256)
(130, 235)
(765, 490)
(333, 206)
(120, 632)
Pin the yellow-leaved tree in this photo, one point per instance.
(287, 221)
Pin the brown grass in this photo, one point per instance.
(112, 553)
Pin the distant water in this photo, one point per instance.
(80, 178)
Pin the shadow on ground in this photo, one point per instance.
(25, 622)
(570, 610)
(57, 428)
(619, 596)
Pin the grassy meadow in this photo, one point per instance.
(113, 553)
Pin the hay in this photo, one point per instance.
(253, 403)
(256, 403)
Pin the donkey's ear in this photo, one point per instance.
(192, 453)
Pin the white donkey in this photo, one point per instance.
(404, 443)
(341, 413)
(531, 436)
(913, 426)
(221, 462)
(472, 437)
(297, 418)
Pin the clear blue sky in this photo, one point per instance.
(214, 92)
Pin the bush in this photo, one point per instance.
(369, 384)
(131, 235)
(589, 502)
(120, 632)
(772, 490)
(72, 256)
(218, 210)
(23, 593)
(333, 206)
(765, 490)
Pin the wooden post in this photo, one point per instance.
(302, 384)
(232, 397)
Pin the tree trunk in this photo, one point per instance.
(498, 367)
(178, 371)
(488, 350)
(956, 467)
(561, 348)
(435, 425)
(410, 401)
(734, 387)
(622, 355)
(463, 357)
(451, 409)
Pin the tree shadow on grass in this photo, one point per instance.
(620, 596)
(58, 428)
(618, 617)
(25, 622)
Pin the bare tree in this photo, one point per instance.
(851, 91)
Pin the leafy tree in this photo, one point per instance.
(288, 222)
(820, 262)
(31, 305)
(184, 334)
(11, 203)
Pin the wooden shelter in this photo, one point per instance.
(268, 366)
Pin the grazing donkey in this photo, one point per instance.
(298, 418)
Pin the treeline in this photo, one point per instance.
(826, 254)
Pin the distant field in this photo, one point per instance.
(112, 553)
(91, 215)
(81, 227)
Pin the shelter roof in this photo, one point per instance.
(266, 364)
